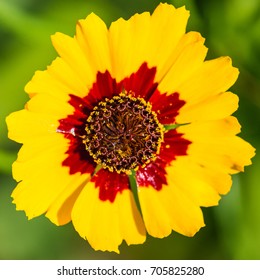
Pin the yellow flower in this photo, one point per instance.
(131, 107)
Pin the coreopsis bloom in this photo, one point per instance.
(126, 116)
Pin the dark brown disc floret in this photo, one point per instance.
(123, 133)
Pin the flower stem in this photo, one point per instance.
(134, 188)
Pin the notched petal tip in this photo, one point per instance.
(167, 10)
(90, 20)
(11, 122)
(56, 36)
(105, 224)
(195, 231)
(20, 207)
(90, 17)
(97, 247)
(194, 37)
(234, 71)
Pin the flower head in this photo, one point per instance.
(132, 106)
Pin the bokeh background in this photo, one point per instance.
(231, 27)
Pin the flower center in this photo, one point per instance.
(123, 133)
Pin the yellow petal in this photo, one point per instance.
(70, 51)
(213, 77)
(200, 185)
(104, 224)
(35, 146)
(60, 210)
(128, 44)
(36, 192)
(75, 84)
(145, 38)
(24, 125)
(92, 36)
(169, 209)
(229, 155)
(188, 56)
(215, 145)
(168, 25)
(225, 127)
(212, 108)
(59, 80)
(47, 104)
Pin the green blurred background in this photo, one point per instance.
(231, 27)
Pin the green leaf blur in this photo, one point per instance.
(231, 27)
